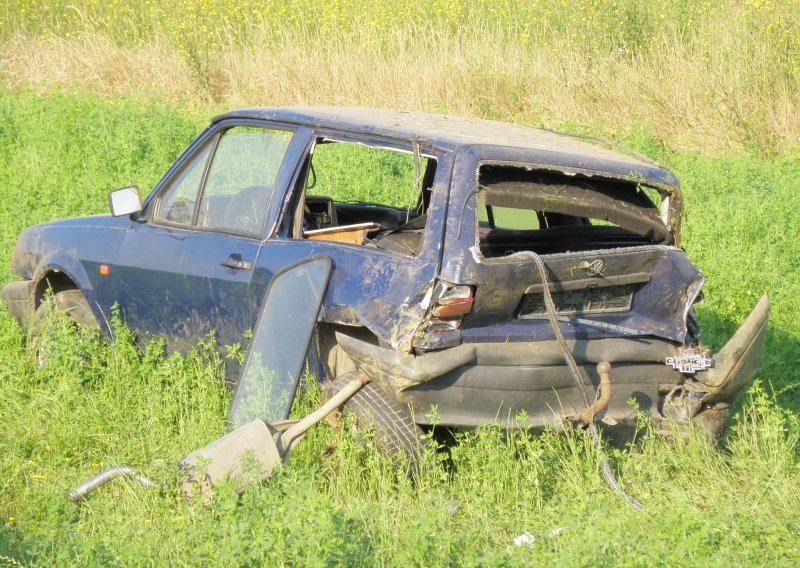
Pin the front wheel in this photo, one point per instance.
(71, 303)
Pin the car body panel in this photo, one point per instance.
(181, 293)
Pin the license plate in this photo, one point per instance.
(604, 300)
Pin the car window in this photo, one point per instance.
(522, 209)
(355, 172)
(365, 195)
(241, 177)
(508, 218)
(177, 202)
(269, 378)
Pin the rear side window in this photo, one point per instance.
(359, 173)
(531, 210)
(365, 194)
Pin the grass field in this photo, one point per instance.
(98, 405)
(719, 73)
(99, 94)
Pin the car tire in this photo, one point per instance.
(714, 421)
(396, 434)
(69, 302)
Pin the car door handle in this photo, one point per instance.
(235, 262)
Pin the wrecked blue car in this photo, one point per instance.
(435, 227)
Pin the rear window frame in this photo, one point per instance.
(668, 208)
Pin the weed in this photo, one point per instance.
(723, 73)
(338, 501)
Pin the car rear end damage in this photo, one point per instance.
(476, 383)
(601, 247)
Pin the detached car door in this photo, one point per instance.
(186, 268)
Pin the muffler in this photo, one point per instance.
(250, 453)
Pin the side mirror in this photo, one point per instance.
(125, 201)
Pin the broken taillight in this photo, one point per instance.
(456, 308)
(449, 303)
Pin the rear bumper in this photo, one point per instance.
(18, 297)
(472, 384)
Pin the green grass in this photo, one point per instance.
(98, 404)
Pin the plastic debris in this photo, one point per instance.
(527, 539)
(524, 539)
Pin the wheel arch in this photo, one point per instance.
(335, 362)
(61, 273)
(55, 280)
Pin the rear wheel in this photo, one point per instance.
(395, 431)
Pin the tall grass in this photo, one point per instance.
(96, 405)
(722, 73)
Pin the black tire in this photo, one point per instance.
(396, 434)
(715, 421)
(69, 302)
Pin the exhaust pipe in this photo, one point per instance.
(89, 486)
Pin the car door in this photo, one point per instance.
(186, 268)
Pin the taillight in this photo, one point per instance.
(449, 304)
(456, 308)
(451, 301)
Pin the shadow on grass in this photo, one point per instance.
(11, 540)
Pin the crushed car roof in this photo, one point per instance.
(453, 131)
